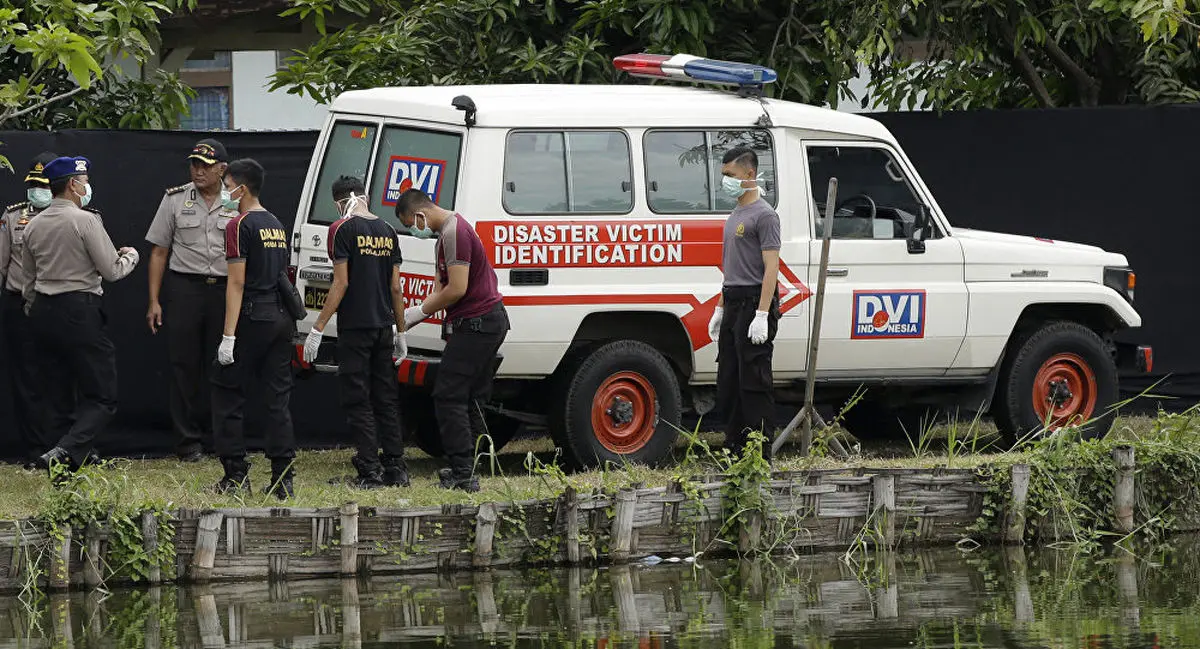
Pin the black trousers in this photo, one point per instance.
(30, 408)
(262, 356)
(464, 382)
(744, 369)
(193, 320)
(78, 368)
(370, 392)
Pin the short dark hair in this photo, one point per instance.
(58, 186)
(345, 185)
(410, 201)
(741, 155)
(247, 172)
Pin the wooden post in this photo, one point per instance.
(92, 572)
(1123, 490)
(485, 533)
(750, 533)
(208, 532)
(883, 489)
(150, 543)
(622, 525)
(349, 539)
(571, 512)
(60, 562)
(1014, 523)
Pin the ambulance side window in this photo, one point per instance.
(410, 157)
(348, 152)
(560, 172)
(683, 168)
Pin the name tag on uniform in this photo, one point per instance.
(223, 221)
(186, 211)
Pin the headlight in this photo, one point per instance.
(1122, 280)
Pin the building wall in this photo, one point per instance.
(255, 108)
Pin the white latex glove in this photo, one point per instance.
(225, 350)
(714, 324)
(399, 345)
(312, 344)
(413, 316)
(758, 328)
(132, 253)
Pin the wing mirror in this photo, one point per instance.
(919, 232)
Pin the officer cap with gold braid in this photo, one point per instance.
(37, 167)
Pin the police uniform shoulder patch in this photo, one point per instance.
(16, 206)
(175, 190)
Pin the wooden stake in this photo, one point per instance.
(1124, 488)
(571, 512)
(622, 525)
(150, 543)
(208, 531)
(349, 538)
(92, 562)
(485, 531)
(1014, 523)
(884, 493)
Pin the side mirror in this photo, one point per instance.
(916, 237)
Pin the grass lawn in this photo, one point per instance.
(185, 485)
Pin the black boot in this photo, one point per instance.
(58, 463)
(237, 476)
(395, 471)
(458, 476)
(370, 474)
(281, 478)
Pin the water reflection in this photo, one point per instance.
(947, 598)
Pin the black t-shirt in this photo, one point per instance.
(258, 238)
(371, 249)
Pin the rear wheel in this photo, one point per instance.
(420, 424)
(622, 404)
(1060, 375)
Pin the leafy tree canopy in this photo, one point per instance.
(974, 53)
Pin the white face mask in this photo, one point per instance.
(39, 197)
(351, 203)
(733, 186)
(86, 196)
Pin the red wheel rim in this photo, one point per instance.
(623, 412)
(1064, 391)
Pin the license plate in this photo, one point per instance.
(314, 298)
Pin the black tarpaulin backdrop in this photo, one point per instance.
(1119, 178)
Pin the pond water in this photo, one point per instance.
(1009, 598)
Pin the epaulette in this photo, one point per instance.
(16, 206)
(94, 211)
(176, 190)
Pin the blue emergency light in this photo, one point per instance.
(686, 67)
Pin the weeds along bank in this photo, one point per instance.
(100, 528)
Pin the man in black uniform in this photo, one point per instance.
(366, 296)
(29, 405)
(257, 343)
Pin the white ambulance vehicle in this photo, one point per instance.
(600, 210)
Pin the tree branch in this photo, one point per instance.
(1089, 88)
(1028, 70)
(24, 111)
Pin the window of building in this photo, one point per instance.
(683, 168)
(281, 57)
(558, 172)
(207, 111)
(874, 199)
(219, 60)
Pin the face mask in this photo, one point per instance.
(228, 201)
(39, 197)
(733, 187)
(86, 197)
(351, 203)
(424, 233)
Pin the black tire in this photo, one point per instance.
(1080, 353)
(420, 424)
(870, 420)
(643, 394)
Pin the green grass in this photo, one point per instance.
(185, 485)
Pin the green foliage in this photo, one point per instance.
(980, 53)
(59, 65)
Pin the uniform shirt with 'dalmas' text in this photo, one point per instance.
(258, 239)
(749, 230)
(370, 249)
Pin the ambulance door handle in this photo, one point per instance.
(838, 272)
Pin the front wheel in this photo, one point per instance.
(622, 405)
(1060, 375)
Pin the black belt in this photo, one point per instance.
(13, 293)
(85, 296)
(195, 277)
(741, 293)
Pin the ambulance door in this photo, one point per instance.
(888, 312)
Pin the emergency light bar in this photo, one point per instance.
(686, 67)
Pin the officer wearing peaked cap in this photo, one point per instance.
(67, 256)
(188, 256)
(28, 404)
